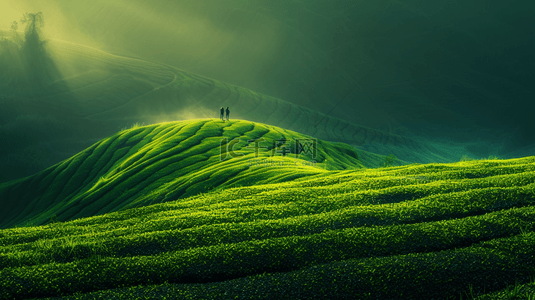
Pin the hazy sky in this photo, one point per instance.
(57, 24)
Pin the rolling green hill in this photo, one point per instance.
(163, 162)
(101, 93)
(432, 231)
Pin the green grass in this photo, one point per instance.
(512, 292)
(158, 163)
(434, 231)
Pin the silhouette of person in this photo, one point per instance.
(228, 113)
(222, 113)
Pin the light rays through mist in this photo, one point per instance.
(58, 23)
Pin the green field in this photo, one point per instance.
(153, 213)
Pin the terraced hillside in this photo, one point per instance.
(434, 231)
(163, 162)
(101, 93)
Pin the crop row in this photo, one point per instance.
(129, 240)
(487, 264)
(437, 200)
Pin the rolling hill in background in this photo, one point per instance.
(460, 70)
(101, 93)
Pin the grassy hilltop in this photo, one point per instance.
(163, 162)
(294, 231)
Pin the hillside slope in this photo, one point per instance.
(434, 231)
(164, 162)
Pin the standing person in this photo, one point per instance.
(228, 113)
(222, 113)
